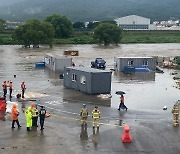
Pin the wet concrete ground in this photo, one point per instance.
(146, 94)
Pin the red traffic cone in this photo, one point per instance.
(2, 105)
(126, 137)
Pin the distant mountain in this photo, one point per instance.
(9, 2)
(89, 10)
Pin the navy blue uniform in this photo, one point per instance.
(42, 114)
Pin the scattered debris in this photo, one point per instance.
(104, 96)
(177, 84)
(71, 52)
(9, 106)
(174, 73)
(176, 77)
(165, 108)
(159, 70)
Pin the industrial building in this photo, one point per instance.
(88, 80)
(57, 63)
(134, 22)
(134, 64)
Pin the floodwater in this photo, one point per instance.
(143, 91)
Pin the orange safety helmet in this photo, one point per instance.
(32, 104)
(14, 105)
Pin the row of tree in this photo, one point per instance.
(2, 22)
(90, 25)
(35, 32)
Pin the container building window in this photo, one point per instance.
(145, 63)
(130, 62)
(83, 79)
(74, 78)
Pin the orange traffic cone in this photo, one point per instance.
(126, 137)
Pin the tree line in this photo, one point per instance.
(35, 32)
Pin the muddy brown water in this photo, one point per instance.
(143, 91)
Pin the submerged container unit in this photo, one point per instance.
(134, 64)
(57, 63)
(88, 80)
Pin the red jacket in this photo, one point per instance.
(122, 99)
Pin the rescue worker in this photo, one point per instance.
(28, 115)
(34, 115)
(4, 85)
(14, 116)
(73, 64)
(42, 113)
(84, 115)
(96, 116)
(10, 89)
(175, 112)
(23, 88)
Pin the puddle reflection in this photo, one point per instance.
(95, 138)
(136, 77)
(2, 115)
(84, 134)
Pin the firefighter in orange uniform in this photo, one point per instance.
(4, 85)
(23, 88)
(14, 116)
(10, 89)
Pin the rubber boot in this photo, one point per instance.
(85, 125)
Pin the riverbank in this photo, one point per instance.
(127, 37)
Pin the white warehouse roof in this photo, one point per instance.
(132, 19)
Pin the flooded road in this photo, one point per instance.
(143, 91)
(146, 94)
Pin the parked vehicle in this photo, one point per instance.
(98, 63)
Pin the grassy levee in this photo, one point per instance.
(150, 37)
(127, 37)
(6, 39)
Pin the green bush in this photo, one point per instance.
(1, 41)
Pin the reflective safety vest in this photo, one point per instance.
(35, 112)
(84, 112)
(28, 115)
(175, 110)
(96, 114)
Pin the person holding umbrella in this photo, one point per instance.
(121, 105)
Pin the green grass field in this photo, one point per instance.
(127, 37)
(151, 37)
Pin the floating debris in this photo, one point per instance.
(165, 108)
(104, 96)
